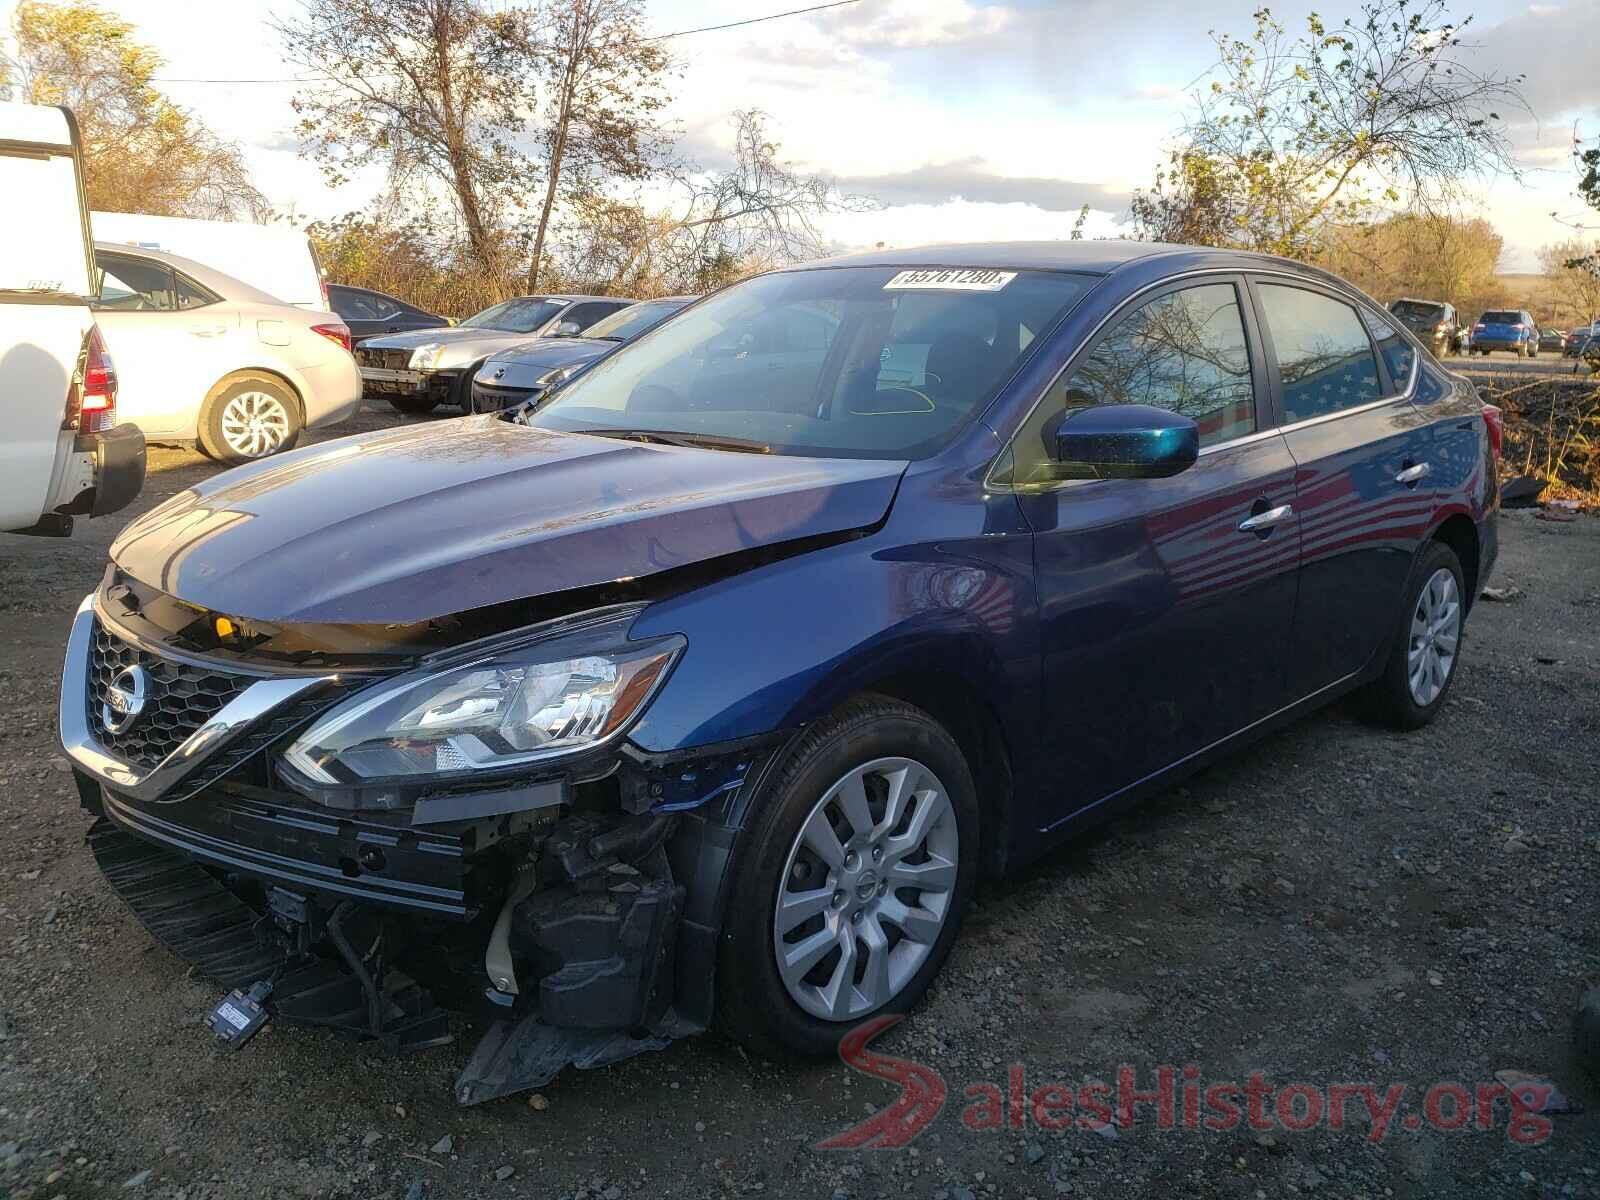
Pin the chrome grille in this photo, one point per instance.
(179, 699)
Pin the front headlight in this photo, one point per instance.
(515, 706)
(559, 375)
(425, 356)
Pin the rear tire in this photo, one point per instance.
(413, 405)
(916, 811)
(1426, 644)
(247, 417)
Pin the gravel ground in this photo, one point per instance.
(1338, 904)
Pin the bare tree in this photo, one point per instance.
(434, 91)
(1299, 135)
(760, 212)
(142, 153)
(604, 81)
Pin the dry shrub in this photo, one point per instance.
(1552, 432)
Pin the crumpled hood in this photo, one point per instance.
(430, 520)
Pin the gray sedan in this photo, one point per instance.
(531, 369)
(418, 370)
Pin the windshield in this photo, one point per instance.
(848, 362)
(522, 315)
(1416, 310)
(630, 322)
(1501, 318)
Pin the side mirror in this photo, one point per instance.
(568, 329)
(1126, 441)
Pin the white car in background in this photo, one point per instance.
(278, 259)
(204, 357)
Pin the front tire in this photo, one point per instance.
(249, 417)
(1426, 646)
(851, 881)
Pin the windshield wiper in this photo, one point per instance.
(605, 337)
(707, 441)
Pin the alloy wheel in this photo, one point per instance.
(255, 424)
(1435, 633)
(866, 889)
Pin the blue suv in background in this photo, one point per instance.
(706, 690)
(1506, 329)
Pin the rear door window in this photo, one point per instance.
(134, 285)
(1398, 355)
(1325, 359)
(353, 306)
(189, 294)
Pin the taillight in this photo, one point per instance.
(1494, 421)
(92, 394)
(339, 334)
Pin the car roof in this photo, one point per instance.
(1418, 300)
(1090, 257)
(574, 296)
(226, 286)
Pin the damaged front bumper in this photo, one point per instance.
(577, 909)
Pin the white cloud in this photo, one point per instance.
(960, 221)
(915, 24)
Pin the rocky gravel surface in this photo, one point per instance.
(1338, 905)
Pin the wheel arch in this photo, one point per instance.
(1459, 533)
(951, 701)
(296, 388)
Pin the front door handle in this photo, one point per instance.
(1263, 522)
(1411, 476)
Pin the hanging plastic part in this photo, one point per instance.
(497, 962)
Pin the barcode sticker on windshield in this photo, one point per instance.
(950, 279)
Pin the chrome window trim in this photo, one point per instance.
(257, 700)
(1260, 435)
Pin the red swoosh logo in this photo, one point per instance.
(922, 1093)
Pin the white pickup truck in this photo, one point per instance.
(62, 453)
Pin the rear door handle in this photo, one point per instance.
(1264, 521)
(1413, 475)
(208, 330)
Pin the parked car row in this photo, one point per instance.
(419, 370)
(1437, 325)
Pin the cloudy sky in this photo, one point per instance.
(970, 120)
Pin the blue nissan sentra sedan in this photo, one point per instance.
(706, 690)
